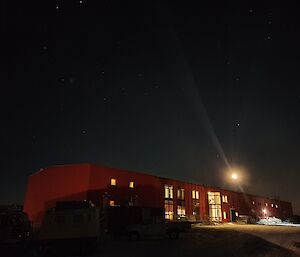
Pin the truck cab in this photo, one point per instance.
(72, 225)
(157, 227)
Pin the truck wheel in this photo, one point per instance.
(173, 235)
(134, 236)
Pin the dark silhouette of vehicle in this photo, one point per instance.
(157, 229)
(15, 231)
(14, 224)
(72, 227)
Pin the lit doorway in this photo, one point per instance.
(214, 206)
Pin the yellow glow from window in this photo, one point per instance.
(169, 212)
(197, 194)
(180, 193)
(131, 184)
(193, 194)
(224, 199)
(113, 182)
(168, 191)
(111, 203)
(224, 215)
(276, 206)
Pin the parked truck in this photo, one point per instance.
(138, 222)
(73, 227)
(160, 229)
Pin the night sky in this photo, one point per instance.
(172, 88)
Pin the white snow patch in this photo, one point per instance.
(272, 221)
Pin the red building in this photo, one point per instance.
(115, 187)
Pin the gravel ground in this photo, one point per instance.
(230, 240)
(286, 237)
(214, 241)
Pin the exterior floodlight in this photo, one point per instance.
(234, 176)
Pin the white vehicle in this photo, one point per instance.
(153, 230)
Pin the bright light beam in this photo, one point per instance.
(234, 176)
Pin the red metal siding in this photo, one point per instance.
(147, 189)
(53, 184)
(92, 182)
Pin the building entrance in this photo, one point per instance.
(214, 204)
(233, 215)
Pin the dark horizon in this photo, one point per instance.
(167, 88)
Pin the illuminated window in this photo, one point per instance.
(131, 184)
(224, 215)
(169, 212)
(181, 210)
(272, 205)
(236, 214)
(224, 199)
(266, 204)
(276, 206)
(113, 182)
(253, 202)
(168, 191)
(196, 208)
(214, 198)
(215, 213)
(111, 203)
(214, 203)
(195, 194)
(180, 193)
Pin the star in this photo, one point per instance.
(268, 38)
(156, 86)
(72, 80)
